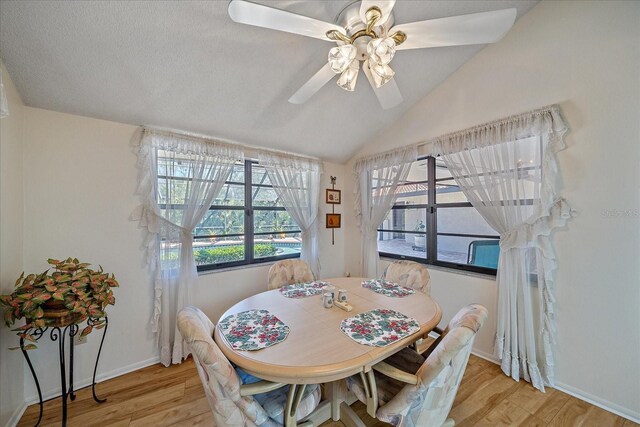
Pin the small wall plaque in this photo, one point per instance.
(333, 196)
(333, 220)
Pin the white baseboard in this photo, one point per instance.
(81, 383)
(599, 402)
(486, 356)
(15, 417)
(589, 398)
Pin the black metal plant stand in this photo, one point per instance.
(59, 333)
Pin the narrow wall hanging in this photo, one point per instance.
(333, 197)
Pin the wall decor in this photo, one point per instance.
(333, 196)
(333, 220)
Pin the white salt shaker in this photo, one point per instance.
(327, 300)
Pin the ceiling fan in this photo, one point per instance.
(366, 34)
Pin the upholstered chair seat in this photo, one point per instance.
(288, 272)
(274, 402)
(236, 398)
(410, 390)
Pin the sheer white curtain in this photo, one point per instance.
(507, 169)
(179, 178)
(377, 178)
(296, 181)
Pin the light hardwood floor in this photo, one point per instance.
(159, 396)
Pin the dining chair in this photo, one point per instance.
(288, 272)
(484, 253)
(408, 390)
(408, 274)
(415, 276)
(238, 403)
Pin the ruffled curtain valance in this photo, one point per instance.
(296, 181)
(169, 212)
(187, 144)
(377, 179)
(543, 121)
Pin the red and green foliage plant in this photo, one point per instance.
(77, 288)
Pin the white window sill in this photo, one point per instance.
(237, 267)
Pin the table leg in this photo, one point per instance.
(60, 335)
(294, 396)
(73, 330)
(350, 418)
(333, 390)
(95, 368)
(371, 391)
(35, 377)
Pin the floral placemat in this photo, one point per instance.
(302, 290)
(388, 289)
(379, 327)
(253, 330)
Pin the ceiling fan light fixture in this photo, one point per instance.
(366, 31)
(348, 78)
(381, 74)
(341, 56)
(382, 50)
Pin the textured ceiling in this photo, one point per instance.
(186, 65)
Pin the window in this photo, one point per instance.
(245, 224)
(433, 222)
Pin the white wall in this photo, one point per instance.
(79, 193)
(585, 57)
(11, 212)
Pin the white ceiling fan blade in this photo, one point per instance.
(258, 15)
(476, 28)
(313, 85)
(385, 7)
(388, 95)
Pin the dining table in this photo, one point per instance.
(316, 350)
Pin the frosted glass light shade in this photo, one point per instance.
(341, 56)
(381, 51)
(347, 80)
(381, 74)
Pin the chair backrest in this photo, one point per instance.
(484, 253)
(428, 403)
(221, 382)
(288, 272)
(409, 274)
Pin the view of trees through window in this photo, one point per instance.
(246, 222)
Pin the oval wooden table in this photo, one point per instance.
(316, 350)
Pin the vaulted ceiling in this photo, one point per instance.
(187, 66)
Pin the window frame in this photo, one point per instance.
(431, 211)
(249, 234)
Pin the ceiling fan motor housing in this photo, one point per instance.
(349, 19)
